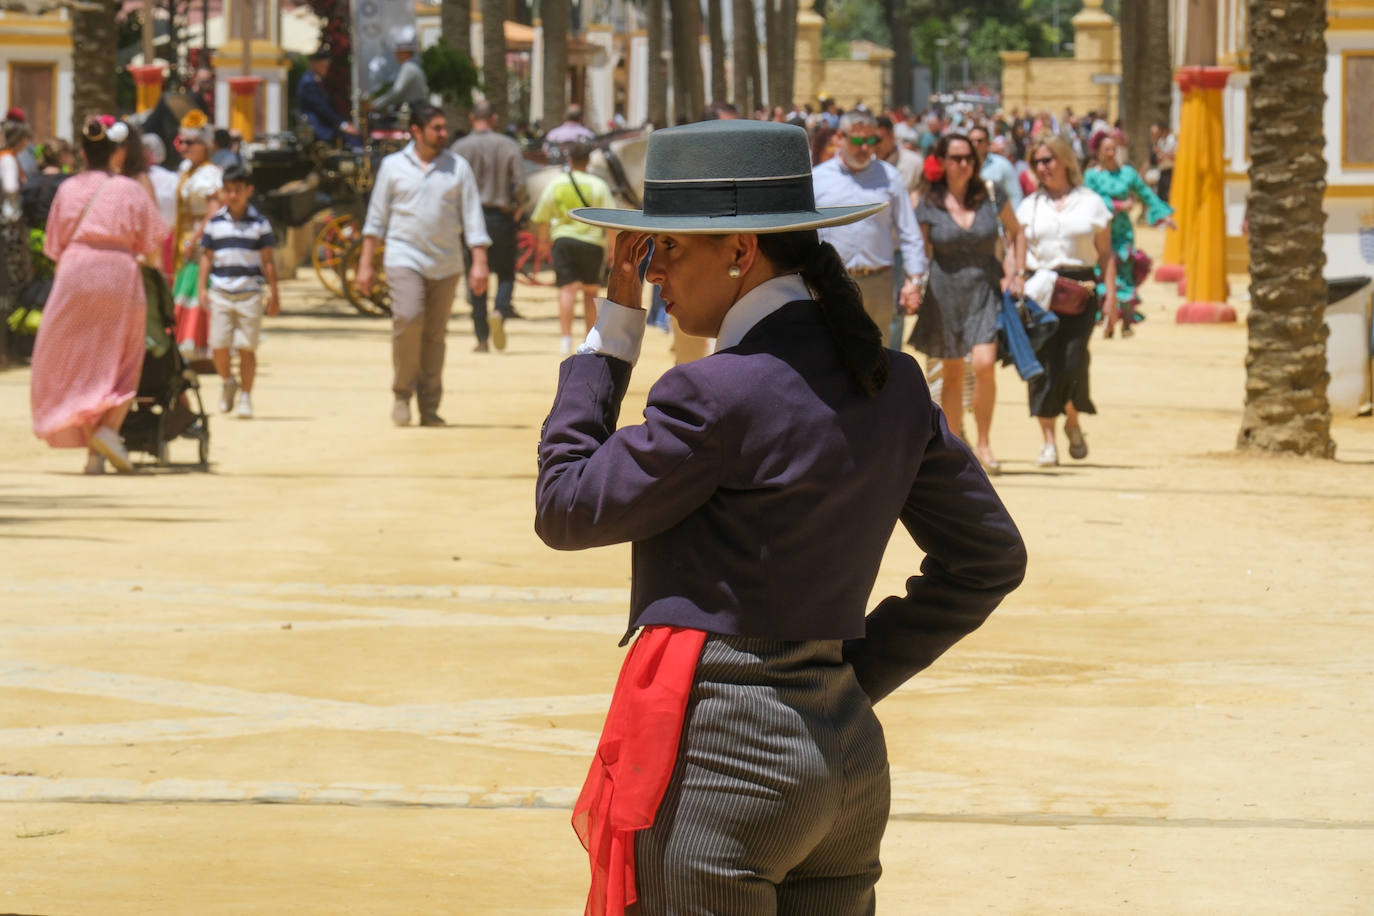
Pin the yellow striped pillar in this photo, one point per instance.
(1204, 250)
(147, 84)
(242, 97)
(1183, 190)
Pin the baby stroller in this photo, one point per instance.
(168, 403)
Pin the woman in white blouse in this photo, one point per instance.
(1066, 228)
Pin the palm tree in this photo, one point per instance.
(494, 80)
(898, 16)
(689, 92)
(95, 58)
(782, 53)
(716, 30)
(1285, 369)
(658, 68)
(746, 91)
(1146, 80)
(455, 25)
(556, 16)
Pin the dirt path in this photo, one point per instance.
(340, 674)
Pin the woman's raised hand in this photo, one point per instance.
(625, 286)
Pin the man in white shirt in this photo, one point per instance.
(857, 176)
(425, 204)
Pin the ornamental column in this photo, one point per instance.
(1204, 233)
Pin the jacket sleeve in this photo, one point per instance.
(599, 486)
(974, 558)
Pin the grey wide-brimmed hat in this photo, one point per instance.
(725, 177)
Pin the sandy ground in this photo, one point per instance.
(339, 673)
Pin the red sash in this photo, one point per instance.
(634, 760)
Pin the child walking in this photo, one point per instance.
(235, 262)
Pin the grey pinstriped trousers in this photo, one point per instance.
(779, 798)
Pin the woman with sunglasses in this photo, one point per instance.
(959, 215)
(741, 769)
(1067, 234)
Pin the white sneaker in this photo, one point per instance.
(245, 411)
(95, 463)
(107, 442)
(498, 331)
(1049, 456)
(565, 346)
(400, 412)
(226, 394)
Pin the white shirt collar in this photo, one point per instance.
(757, 304)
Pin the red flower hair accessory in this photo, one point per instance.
(932, 169)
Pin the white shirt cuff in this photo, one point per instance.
(619, 332)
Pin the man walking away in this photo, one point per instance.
(579, 249)
(496, 163)
(856, 176)
(424, 201)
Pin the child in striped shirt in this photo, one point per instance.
(235, 263)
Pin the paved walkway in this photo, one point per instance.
(339, 673)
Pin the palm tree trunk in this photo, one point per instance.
(95, 40)
(658, 67)
(742, 13)
(716, 30)
(689, 94)
(1285, 385)
(455, 25)
(899, 27)
(783, 45)
(494, 56)
(557, 16)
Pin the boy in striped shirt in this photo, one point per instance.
(235, 262)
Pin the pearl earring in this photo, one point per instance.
(733, 271)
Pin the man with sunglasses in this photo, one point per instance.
(858, 176)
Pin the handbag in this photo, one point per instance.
(1069, 297)
(1141, 264)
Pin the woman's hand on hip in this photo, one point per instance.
(625, 286)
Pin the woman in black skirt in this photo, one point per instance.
(741, 769)
(1067, 229)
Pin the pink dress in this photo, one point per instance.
(89, 349)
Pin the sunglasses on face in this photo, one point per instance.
(962, 158)
(1045, 161)
(863, 141)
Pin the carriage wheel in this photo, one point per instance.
(331, 244)
(379, 303)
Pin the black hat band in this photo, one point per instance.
(729, 198)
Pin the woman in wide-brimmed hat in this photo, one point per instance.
(741, 769)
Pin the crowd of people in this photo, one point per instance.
(969, 208)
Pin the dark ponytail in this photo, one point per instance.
(856, 337)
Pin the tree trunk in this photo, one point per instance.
(1131, 18)
(1157, 79)
(95, 41)
(899, 27)
(742, 12)
(689, 94)
(716, 30)
(783, 45)
(658, 67)
(494, 56)
(1285, 385)
(455, 25)
(556, 17)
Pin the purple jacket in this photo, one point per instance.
(762, 488)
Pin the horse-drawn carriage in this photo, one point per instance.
(296, 178)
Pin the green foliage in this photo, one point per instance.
(42, 267)
(851, 20)
(450, 72)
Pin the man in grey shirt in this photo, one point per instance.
(425, 204)
(410, 86)
(499, 168)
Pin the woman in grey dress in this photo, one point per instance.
(960, 216)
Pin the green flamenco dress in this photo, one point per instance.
(1116, 189)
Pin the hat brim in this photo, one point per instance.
(759, 223)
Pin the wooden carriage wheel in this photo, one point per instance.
(331, 244)
(379, 303)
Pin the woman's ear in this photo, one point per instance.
(745, 251)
